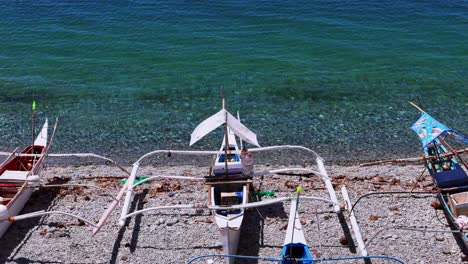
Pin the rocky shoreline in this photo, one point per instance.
(176, 236)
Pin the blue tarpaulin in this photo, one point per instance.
(429, 129)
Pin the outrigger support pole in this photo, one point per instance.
(354, 223)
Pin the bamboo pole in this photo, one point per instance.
(329, 185)
(9, 157)
(354, 223)
(41, 213)
(33, 125)
(129, 193)
(237, 206)
(226, 145)
(454, 152)
(420, 159)
(417, 107)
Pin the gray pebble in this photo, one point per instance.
(172, 221)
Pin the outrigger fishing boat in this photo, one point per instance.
(448, 171)
(228, 186)
(18, 175)
(228, 189)
(295, 248)
(295, 244)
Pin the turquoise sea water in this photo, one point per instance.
(127, 77)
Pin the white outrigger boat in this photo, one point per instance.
(228, 188)
(295, 245)
(227, 184)
(295, 248)
(18, 174)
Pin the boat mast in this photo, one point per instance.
(226, 140)
(33, 125)
(298, 190)
(241, 143)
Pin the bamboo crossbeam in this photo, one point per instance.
(354, 223)
(420, 159)
(316, 173)
(76, 155)
(41, 213)
(239, 206)
(127, 190)
(201, 152)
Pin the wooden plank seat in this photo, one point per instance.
(10, 175)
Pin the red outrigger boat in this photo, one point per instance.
(19, 174)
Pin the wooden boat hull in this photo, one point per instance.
(230, 240)
(295, 245)
(229, 222)
(460, 238)
(18, 176)
(14, 208)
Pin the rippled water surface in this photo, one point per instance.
(127, 77)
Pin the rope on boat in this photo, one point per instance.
(394, 259)
(41, 213)
(240, 206)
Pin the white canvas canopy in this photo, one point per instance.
(218, 119)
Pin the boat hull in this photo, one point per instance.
(14, 208)
(229, 222)
(18, 177)
(230, 240)
(460, 238)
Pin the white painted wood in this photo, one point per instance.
(354, 223)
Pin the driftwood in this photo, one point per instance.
(409, 160)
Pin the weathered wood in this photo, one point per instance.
(455, 152)
(228, 182)
(420, 159)
(417, 107)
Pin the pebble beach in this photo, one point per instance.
(175, 236)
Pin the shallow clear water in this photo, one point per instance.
(125, 78)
